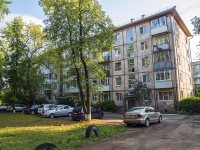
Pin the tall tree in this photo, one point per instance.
(4, 8)
(21, 44)
(196, 23)
(82, 29)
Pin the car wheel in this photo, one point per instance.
(128, 124)
(51, 116)
(147, 122)
(90, 129)
(69, 114)
(32, 112)
(45, 146)
(160, 119)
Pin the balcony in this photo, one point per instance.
(161, 47)
(162, 65)
(105, 88)
(158, 30)
(106, 59)
(72, 90)
(163, 84)
(107, 73)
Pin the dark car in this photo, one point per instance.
(78, 113)
(32, 109)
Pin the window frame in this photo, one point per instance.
(162, 75)
(118, 66)
(144, 45)
(145, 62)
(143, 30)
(118, 81)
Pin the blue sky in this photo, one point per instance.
(120, 11)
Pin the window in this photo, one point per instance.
(105, 97)
(178, 60)
(165, 95)
(117, 52)
(161, 56)
(129, 35)
(130, 50)
(118, 66)
(118, 81)
(158, 22)
(117, 37)
(55, 76)
(94, 97)
(145, 61)
(189, 67)
(163, 75)
(162, 40)
(143, 30)
(67, 74)
(131, 65)
(105, 81)
(144, 45)
(55, 86)
(180, 77)
(131, 81)
(119, 96)
(73, 84)
(145, 78)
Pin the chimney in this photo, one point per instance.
(143, 16)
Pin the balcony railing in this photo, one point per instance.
(162, 65)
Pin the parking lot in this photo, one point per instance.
(176, 132)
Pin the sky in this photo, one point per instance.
(120, 11)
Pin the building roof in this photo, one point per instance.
(171, 11)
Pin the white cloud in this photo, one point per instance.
(26, 18)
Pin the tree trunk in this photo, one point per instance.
(88, 117)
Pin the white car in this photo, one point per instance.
(44, 107)
(3, 107)
(58, 110)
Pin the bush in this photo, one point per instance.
(107, 106)
(41, 100)
(190, 105)
(68, 100)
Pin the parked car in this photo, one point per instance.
(33, 109)
(44, 107)
(3, 107)
(58, 110)
(142, 115)
(78, 113)
(18, 107)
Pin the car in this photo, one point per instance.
(33, 109)
(78, 113)
(142, 115)
(18, 107)
(3, 107)
(58, 110)
(44, 107)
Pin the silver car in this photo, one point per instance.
(58, 110)
(142, 115)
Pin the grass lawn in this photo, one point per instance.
(25, 132)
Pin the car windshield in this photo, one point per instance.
(135, 109)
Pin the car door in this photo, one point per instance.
(154, 114)
(58, 111)
(149, 113)
(65, 110)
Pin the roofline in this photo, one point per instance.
(160, 14)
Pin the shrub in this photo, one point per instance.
(189, 105)
(107, 106)
(68, 100)
(41, 100)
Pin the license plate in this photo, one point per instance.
(75, 113)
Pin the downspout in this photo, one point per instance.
(192, 73)
(124, 68)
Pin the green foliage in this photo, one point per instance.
(21, 43)
(196, 23)
(81, 30)
(189, 105)
(141, 93)
(68, 100)
(3, 8)
(41, 100)
(107, 106)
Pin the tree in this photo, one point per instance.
(3, 8)
(80, 29)
(21, 44)
(141, 93)
(196, 23)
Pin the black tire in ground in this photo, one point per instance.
(90, 129)
(46, 146)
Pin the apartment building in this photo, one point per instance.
(196, 73)
(154, 50)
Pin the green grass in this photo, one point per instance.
(25, 132)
